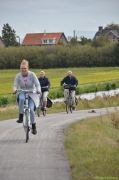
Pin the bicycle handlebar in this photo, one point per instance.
(26, 90)
(43, 87)
(68, 86)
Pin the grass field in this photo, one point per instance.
(92, 145)
(84, 76)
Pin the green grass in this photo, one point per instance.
(92, 149)
(85, 76)
(92, 145)
(97, 102)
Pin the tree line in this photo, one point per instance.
(77, 53)
(60, 56)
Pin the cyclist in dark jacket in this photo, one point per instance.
(70, 80)
(45, 84)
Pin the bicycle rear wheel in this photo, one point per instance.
(27, 126)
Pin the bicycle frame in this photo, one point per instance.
(26, 116)
(69, 103)
(41, 106)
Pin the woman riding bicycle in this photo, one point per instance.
(70, 80)
(27, 80)
(45, 84)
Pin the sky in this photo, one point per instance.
(79, 17)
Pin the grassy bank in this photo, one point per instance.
(9, 111)
(92, 149)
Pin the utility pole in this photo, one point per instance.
(74, 33)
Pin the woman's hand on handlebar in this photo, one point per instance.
(14, 91)
(38, 92)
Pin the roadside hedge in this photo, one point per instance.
(60, 56)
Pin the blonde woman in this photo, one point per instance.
(27, 80)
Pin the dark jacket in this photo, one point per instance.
(70, 81)
(44, 82)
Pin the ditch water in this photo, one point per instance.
(90, 96)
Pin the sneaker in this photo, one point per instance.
(19, 120)
(73, 108)
(45, 108)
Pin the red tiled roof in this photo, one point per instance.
(36, 38)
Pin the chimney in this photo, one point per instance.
(100, 28)
(44, 32)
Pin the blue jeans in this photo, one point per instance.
(31, 106)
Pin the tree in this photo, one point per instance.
(9, 36)
(73, 41)
(84, 40)
(100, 41)
(112, 26)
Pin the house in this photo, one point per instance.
(111, 34)
(41, 39)
(1, 43)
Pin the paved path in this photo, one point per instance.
(43, 157)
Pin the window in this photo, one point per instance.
(114, 39)
(51, 41)
(45, 41)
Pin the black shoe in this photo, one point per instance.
(19, 120)
(34, 131)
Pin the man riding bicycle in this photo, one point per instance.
(70, 80)
(45, 84)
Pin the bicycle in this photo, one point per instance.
(26, 116)
(69, 102)
(41, 106)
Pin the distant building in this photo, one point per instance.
(43, 39)
(111, 34)
(1, 43)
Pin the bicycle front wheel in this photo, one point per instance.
(67, 106)
(27, 126)
(38, 111)
(70, 103)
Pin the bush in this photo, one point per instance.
(3, 101)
